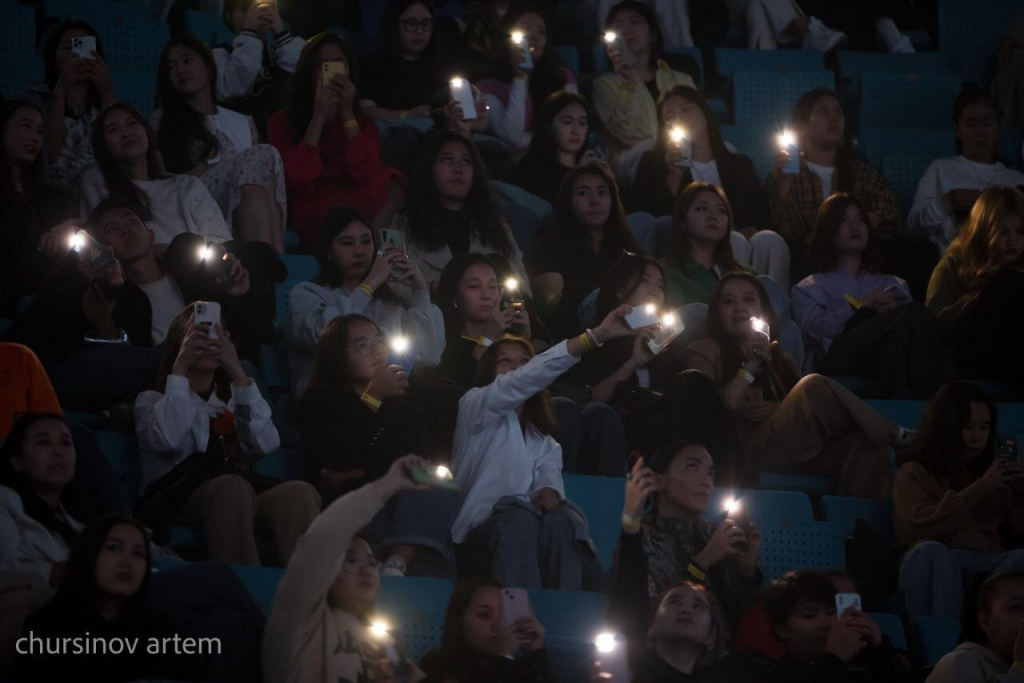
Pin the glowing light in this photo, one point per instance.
(610, 37)
(379, 629)
(205, 253)
(786, 139)
(670, 320)
(759, 325)
(511, 284)
(443, 472)
(517, 37)
(605, 642)
(731, 506)
(456, 82)
(77, 240)
(650, 309)
(677, 135)
(400, 344)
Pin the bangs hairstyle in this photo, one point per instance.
(716, 648)
(821, 249)
(694, 96)
(117, 179)
(334, 222)
(184, 140)
(542, 144)
(54, 39)
(536, 409)
(939, 444)
(679, 243)
(30, 176)
(617, 233)
(622, 279)
(844, 174)
(713, 327)
(654, 25)
(980, 597)
(546, 76)
(782, 597)
(975, 244)
(172, 346)
(391, 29)
(303, 91)
(330, 368)
(448, 286)
(971, 95)
(423, 203)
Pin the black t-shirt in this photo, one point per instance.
(542, 177)
(396, 83)
(458, 230)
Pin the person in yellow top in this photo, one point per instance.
(626, 97)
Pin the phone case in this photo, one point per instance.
(527, 62)
(463, 94)
(625, 54)
(83, 46)
(393, 238)
(687, 160)
(207, 312)
(845, 600)
(640, 317)
(792, 167)
(515, 604)
(423, 476)
(331, 68)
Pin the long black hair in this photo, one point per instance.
(53, 44)
(70, 498)
(844, 174)
(303, 91)
(390, 29)
(547, 75)
(694, 96)
(537, 408)
(731, 355)
(821, 248)
(118, 182)
(542, 143)
(654, 25)
(185, 141)
(448, 285)
(622, 279)
(334, 221)
(423, 204)
(30, 177)
(330, 369)
(617, 234)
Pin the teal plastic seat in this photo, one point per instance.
(933, 637)
(301, 268)
(767, 98)
(903, 173)
(601, 500)
(892, 627)
(878, 141)
(571, 621)
(122, 450)
(415, 608)
(18, 72)
(800, 545)
(902, 101)
(261, 582)
(764, 507)
(17, 28)
(731, 60)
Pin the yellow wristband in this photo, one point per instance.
(630, 524)
(746, 374)
(696, 572)
(853, 301)
(352, 123)
(370, 400)
(585, 341)
(366, 288)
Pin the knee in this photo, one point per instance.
(513, 523)
(925, 557)
(768, 239)
(299, 495)
(559, 522)
(814, 386)
(230, 492)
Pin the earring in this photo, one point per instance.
(455, 305)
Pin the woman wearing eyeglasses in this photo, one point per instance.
(320, 628)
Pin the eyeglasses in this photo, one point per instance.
(417, 26)
(366, 347)
(354, 566)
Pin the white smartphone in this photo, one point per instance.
(897, 292)
(642, 316)
(462, 92)
(612, 655)
(520, 41)
(845, 600)
(515, 604)
(83, 47)
(626, 55)
(207, 313)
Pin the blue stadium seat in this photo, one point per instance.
(283, 464)
(301, 268)
(778, 296)
(876, 142)
(972, 26)
(1010, 140)
(135, 86)
(261, 582)
(208, 28)
(645, 233)
(96, 10)
(123, 452)
(19, 72)
(291, 241)
(17, 28)
(853, 65)
(794, 482)
(5, 324)
(933, 637)
(908, 101)
(600, 58)
(697, 55)
(844, 512)
(903, 172)
(730, 60)
(570, 57)
(274, 366)
(524, 212)
(415, 608)
(891, 626)
(764, 507)
(354, 38)
(755, 141)
(767, 98)
(571, 621)
(135, 44)
(601, 500)
(800, 545)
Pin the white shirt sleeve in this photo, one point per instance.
(508, 123)
(254, 425)
(204, 214)
(312, 306)
(548, 471)
(929, 214)
(289, 48)
(812, 313)
(428, 324)
(164, 422)
(237, 70)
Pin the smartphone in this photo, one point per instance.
(897, 292)
(1007, 449)
(392, 238)
(462, 92)
(642, 316)
(788, 143)
(95, 255)
(437, 476)
(207, 313)
(845, 600)
(613, 656)
(738, 513)
(515, 604)
(761, 329)
(614, 40)
(594, 146)
(683, 144)
(331, 68)
(520, 41)
(83, 47)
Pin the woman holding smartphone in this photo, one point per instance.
(862, 323)
(559, 144)
(199, 431)
(354, 278)
(331, 153)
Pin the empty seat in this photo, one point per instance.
(135, 44)
(601, 500)
(844, 511)
(730, 60)
(853, 65)
(415, 608)
(800, 545)
(755, 141)
(908, 101)
(17, 28)
(903, 172)
(767, 98)
(933, 637)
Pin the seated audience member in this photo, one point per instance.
(331, 153)
(516, 93)
(508, 468)
(589, 232)
(95, 329)
(105, 594)
(992, 645)
(218, 145)
(700, 248)
(483, 31)
(862, 323)
(626, 97)
(128, 165)
(450, 210)
(355, 421)
(658, 550)
(655, 402)
(826, 166)
(558, 145)
(76, 89)
(782, 423)
(661, 177)
(976, 289)
(949, 188)
(35, 215)
(821, 646)
(952, 501)
(686, 634)
(41, 515)
(399, 81)
(199, 432)
(448, 114)
(354, 279)
(319, 628)
(478, 646)
(252, 76)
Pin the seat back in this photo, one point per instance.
(19, 71)
(767, 98)
(878, 141)
(17, 28)
(524, 212)
(601, 500)
(914, 101)
(933, 638)
(758, 142)
(415, 608)
(208, 28)
(261, 583)
(844, 511)
(730, 60)
(764, 507)
(301, 268)
(903, 173)
(800, 545)
(891, 626)
(122, 450)
(571, 621)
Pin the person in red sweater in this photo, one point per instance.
(331, 154)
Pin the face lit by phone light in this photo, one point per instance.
(481, 622)
(684, 614)
(477, 296)
(738, 302)
(355, 589)
(124, 232)
(688, 481)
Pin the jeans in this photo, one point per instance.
(592, 438)
(932, 576)
(531, 551)
(423, 519)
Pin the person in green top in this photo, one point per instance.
(700, 249)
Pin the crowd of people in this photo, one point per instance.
(447, 369)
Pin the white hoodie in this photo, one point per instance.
(974, 663)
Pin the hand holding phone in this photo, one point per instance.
(435, 476)
(515, 605)
(615, 43)
(330, 69)
(83, 47)
(642, 316)
(846, 600)
(207, 313)
(462, 92)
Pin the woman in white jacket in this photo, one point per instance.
(509, 469)
(354, 280)
(199, 432)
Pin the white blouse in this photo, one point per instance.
(25, 544)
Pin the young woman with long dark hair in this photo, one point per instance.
(558, 144)
(218, 145)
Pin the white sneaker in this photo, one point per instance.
(394, 566)
(822, 38)
(903, 46)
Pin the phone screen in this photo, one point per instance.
(515, 604)
(845, 600)
(462, 92)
